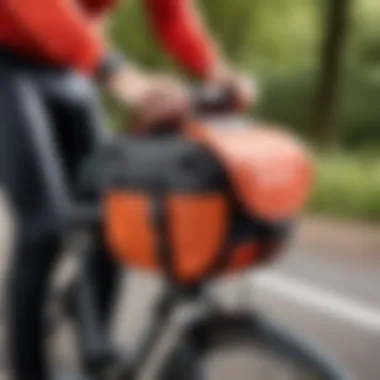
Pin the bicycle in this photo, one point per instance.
(182, 338)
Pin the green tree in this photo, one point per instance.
(336, 27)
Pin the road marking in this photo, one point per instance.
(323, 301)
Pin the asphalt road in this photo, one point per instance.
(333, 300)
(319, 287)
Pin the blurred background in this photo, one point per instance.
(318, 63)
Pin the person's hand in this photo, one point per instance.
(155, 99)
(243, 86)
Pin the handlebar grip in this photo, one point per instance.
(204, 101)
(213, 100)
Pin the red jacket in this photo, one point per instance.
(60, 31)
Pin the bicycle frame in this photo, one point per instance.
(174, 314)
(184, 315)
(176, 321)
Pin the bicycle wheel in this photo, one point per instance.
(61, 341)
(247, 348)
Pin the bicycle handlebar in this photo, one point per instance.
(204, 101)
(212, 100)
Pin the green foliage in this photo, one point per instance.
(131, 32)
(279, 40)
(249, 31)
(360, 112)
(348, 186)
(289, 99)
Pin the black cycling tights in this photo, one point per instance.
(49, 121)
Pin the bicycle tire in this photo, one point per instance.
(233, 331)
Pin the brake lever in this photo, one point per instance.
(209, 100)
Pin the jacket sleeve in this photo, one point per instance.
(61, 30)
(98, 7)
(179, 29)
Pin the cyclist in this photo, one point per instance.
(52, 54)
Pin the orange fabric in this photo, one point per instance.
(269, 170)
(197, 228)
(129, 232)
(243, 256)
(198, 225)
(253, 254)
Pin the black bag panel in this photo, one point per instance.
(166, 164)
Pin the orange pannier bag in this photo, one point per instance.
(210, 199)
